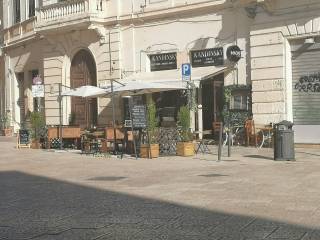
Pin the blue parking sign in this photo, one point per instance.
(186, 71)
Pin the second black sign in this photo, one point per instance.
(207, 57)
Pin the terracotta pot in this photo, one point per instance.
(145, 152)
(7, 132)
(185, 149)
(35, 144)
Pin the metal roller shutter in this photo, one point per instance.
(306, 92)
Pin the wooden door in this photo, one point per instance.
(83, 72)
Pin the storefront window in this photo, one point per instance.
(239, 102)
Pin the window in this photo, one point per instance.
(16, 11)
(239, 102)
(32, 7)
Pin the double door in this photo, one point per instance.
(83, 72)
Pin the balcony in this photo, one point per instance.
(70, 14)
(19, 32)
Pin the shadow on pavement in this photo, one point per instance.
(311, 154)
(39, 208)
(259, 156)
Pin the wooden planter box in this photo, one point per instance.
(7, 132)
(185, 149)
(35, 144)
(144, 150)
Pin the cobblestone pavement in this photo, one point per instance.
(52, 196)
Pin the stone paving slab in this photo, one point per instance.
(47, 195)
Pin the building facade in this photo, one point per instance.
(91, 42)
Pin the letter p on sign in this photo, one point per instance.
(186, 71)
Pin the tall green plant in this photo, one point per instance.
(5, 121)
(37, 122)
(184, 123)
(152, 122)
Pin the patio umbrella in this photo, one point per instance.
(144, 87)
(85, 92)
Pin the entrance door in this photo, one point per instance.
(83, 72)
(212, 101)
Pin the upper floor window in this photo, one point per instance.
(16, 11)
(32, 8)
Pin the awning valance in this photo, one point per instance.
(175, 76)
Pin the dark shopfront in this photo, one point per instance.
(212, 100)
(211, 89)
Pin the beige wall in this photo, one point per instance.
(270, 56)
(58, 55)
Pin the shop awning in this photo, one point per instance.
(174, 77)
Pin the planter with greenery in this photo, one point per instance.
(6, 129)
(153, 132)
(37, 123)
(185, 147)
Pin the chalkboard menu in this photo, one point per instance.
(24, 136)
(207, 57)
(139, 116)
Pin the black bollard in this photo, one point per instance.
(220, 142)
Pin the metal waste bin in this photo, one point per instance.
(284, 141)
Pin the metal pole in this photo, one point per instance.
(60, 116)
(229, 139)
(113, 119)
(220, 142)
(133, 138)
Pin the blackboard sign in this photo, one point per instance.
(139, 116)
(163, 61)
(24, 136)
(207, 57)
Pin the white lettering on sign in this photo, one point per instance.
(208, 53)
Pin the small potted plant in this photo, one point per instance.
(153, 132)
(37, 122)
(185, 146)
(6, 129)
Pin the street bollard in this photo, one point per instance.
(220, 142)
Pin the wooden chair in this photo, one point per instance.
(251, 137)
(216, 128)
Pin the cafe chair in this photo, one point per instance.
(250, 130)
(203, 143)
(216, 126)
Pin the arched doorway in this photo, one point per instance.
(83, 72)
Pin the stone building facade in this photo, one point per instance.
(74, 43)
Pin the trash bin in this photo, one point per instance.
(284, 141)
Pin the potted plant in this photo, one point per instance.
(153, 132)
(37, 122)
(6, 129)
(185, 146)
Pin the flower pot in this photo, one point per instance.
(185, 149)
(145, 152)
(35, 144)
(7, 132)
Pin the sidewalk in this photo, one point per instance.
(55, 195)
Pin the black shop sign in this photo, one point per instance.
(207, 57)
(163, 61)
(234, 53)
